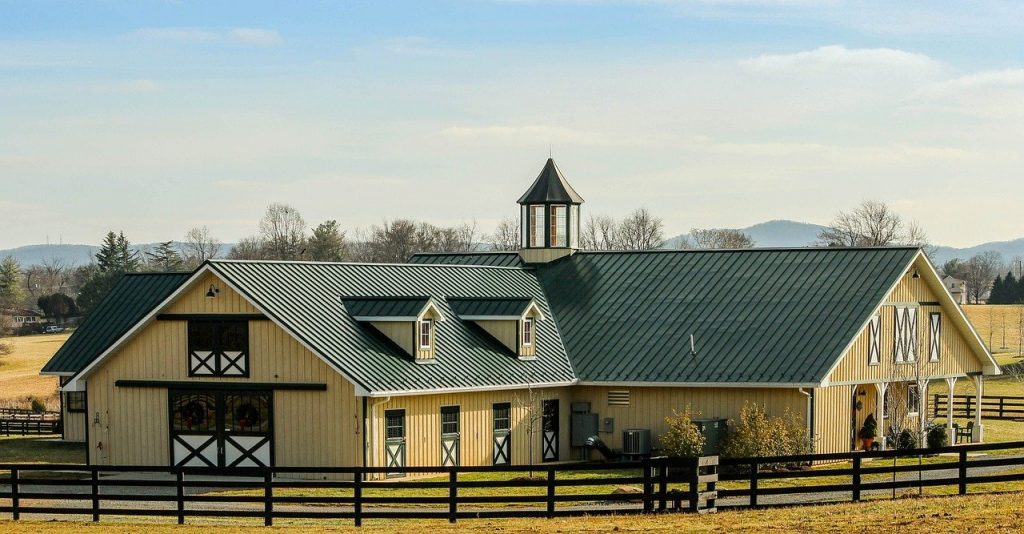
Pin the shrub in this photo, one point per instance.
(905, 440)
(937, 437)
(870, 428)
(6, 348)
(756, 433)
(38, 406)
(683, 439)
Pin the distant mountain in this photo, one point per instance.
(74, 255)
(779, 233)
(1008, 249)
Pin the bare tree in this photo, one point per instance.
(56, 275)
(506, 235)
(394, 241)
(600, 232)
(248, 248)
(979, 271)
(872, 224)
(640, 231)
(283, 232)
(200, 246)
(531, 405)
(716, 238)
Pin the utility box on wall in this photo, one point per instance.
(714, 430)
(581, 427)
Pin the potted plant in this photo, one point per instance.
(868, 432)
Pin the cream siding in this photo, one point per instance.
(402, 333)
(311, 428)
(74, 424)
(506, 332)
(832, 419)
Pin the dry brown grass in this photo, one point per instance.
(19, 372)
(977, 513)
(998, 325)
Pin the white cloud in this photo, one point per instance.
(838, 57)
(997, 94)
(256, 36)
(128, 87)
(995, 79)
(247, 36)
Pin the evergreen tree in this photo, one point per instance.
(116, 255)
(997, 293)
(328, 243)
(165, 258)
(1011, 289)
(11, 292)
(57, 306)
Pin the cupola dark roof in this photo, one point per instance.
(550, 186)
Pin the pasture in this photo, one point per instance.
(19, 371)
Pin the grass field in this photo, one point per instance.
(975, 513)
(40, 450)
(1000, 326)
(19, 371)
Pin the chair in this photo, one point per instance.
(963, 433)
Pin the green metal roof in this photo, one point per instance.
(306, 299)
(766, 316)
(492, 259)
(385, 306)
(132, 297)
(550, 186)
(464, 307)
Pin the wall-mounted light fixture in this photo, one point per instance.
(916, 274)
(212, 292)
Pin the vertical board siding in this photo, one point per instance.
(311, 428)
(832, 419)
(507, 332)
(957, 357)
(402, 333)
(74, 425)
(650, 406)
(476, 425)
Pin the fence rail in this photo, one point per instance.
(572, 489)
(992, 407)
(26, 422)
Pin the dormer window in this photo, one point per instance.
(528, 332)
(511, 321)
(426, 331)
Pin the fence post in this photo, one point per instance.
(648, 499)
(268, 498)
(935, 405)
(180, 477)
(453, 494)
(755, 470)
(551, 493)
(969, 398)
(695, 485)
(95, 494)
(856, 477)
(357, 497)
(663, 485)
(1001, 399)
(14, 494)
(962, 474)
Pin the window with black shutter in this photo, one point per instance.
(218, 348)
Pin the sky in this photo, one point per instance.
(155, 117)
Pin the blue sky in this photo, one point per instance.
(153, 117)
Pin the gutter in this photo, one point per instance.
(371, 432)
(810, 414)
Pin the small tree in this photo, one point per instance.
(328, 242)
(531, 406)
(164, 258)
(200, 246)
(716, 238)
(682, 439)
(506, 235)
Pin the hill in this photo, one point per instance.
(777, 233)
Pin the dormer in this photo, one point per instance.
(549, 217)
(510, 321)
(409, 322)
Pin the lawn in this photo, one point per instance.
(999, 326)
(975, 513)
(19, 371)
(40, 450)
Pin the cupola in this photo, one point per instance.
(549, 217)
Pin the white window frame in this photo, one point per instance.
(905, 324)
(428, 323)
(913, 408)
(528, 332)
(934, 336)
(538, 220)
(559, 235)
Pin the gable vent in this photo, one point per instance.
(618, 397)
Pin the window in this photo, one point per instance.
(574, 226)
(75, 401)
(913, 398)
(218, 348)
(394, 424)
(527, 332)
(536, 226)
(524, 234)
(935, 336)
(905, 334)
(449, 419)
(502, 416)
(874, 340)
(425, 327)
(558, 237)
(618, 397)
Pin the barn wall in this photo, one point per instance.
(311, 428)
(423, 425)
(650, 406)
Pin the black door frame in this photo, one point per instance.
(400, 441)
(457, 446)
(549, 423)
(220, 432)
(503, 447)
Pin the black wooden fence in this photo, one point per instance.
(661, 485)
(26, 422)
(992, 407)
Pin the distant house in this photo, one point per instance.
(20, 317)
(957, 288)
(454, 358)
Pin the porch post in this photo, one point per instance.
(978, 436)
(950, 385)
(880, 389)
(922, 401)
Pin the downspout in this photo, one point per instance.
(810, 415)
(371, 432)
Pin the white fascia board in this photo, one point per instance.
(388, 319)
(500, 387)
(733, 385)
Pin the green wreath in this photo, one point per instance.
(247, 415)
(193, 413)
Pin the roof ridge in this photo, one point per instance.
(367, 263)
(753, 249)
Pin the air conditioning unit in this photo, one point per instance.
(636, 442)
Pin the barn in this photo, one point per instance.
(506, 357)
